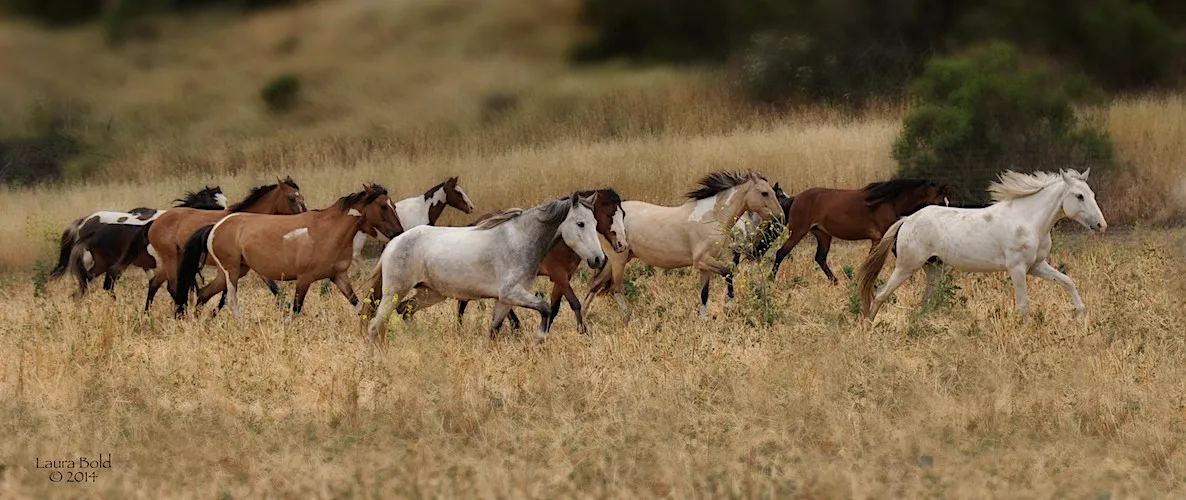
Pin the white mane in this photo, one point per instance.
(1013, 185)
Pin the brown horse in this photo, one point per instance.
(853, 214)
(561, 261)
(96, 244)
(306, 247)
(172, 229)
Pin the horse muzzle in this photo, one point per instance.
(1100, 226)
(597, 262)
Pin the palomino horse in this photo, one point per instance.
(306, 247)
(692, 234)
(1011, 235)
(753, 237)
(424, 209)
(498, 258)
(95, 244)
(561, 261)
(172, 229)
(853, 214)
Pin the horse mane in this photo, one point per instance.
(368, 195)
(607, 193)
(713, 183)
(259, 192)
(498, 218)
(199, 198)
(428, 194)
(877, 193)
(1012, 185)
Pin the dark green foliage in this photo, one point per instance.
(117, 14)
(827, 48)
(988, 111)
(52, 137)
(280, 93)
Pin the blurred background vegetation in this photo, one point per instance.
(124, 87)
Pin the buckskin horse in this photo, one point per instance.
(692, 234)
(171, 230)
(306, 247)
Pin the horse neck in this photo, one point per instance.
(265, 205)
(339, 224)
(1041, 209)
(542, 236)
(733, 206)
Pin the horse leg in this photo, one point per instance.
(500, 313)
(302, 289)
(797, 235)
(1017, 273)
(902, 272)
(823, 244)
(154, 284)
(519, 296)
(209, 290)
(394, 287)
(729, 282)
(565, 287)
(342, 281)
(516, 325)
(1045, 271)
(934, 274)
(705, 280)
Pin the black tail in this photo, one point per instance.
(137, 247)
(69, 236)
(190, 265)
(771, 232)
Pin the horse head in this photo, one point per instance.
(1079, 201)
(611, 218)
(456, 197)
(377, 211)
(287, 197)
(579, 231)
(760, 198)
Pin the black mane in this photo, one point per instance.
(202, 199)
(716, 182)
(369, 193)
(259, 192)
(877, 193)
(608, 193)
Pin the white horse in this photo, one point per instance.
(693, 234)
(497, 258)
(422, 209)
(1011, 235)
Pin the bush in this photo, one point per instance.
(118, 13)
(987, 111)
(781, 68)
(51, 140)
(280, 93)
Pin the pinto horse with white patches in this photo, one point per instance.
(97, 243)
(424, 209)
(693, 234)
(1011, 235)
(497, 258)
(561, 261)
(306, 247)
(171, 230)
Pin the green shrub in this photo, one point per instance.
(52, 136)
(988, 111)
(280, 93)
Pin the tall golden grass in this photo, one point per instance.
(788, 396)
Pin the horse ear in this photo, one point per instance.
(1084, 174)
(574, 198)
(589, 200)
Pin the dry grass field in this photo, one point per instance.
(787, 396)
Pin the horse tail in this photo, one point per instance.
(77, 266)
(871, 267)
(69, 237)
(374, 293)
(137, 247)
(191, 264)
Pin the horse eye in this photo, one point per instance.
(1079, 196)
(765, 193)
(581, 224)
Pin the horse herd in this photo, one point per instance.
(499, 255)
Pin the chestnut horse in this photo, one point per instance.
(853, 214)
(306, 247)
(689, 235)
(172, 229)
(561, 261)
(96, 244)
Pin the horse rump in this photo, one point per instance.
(69, 237)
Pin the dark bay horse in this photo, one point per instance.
(96, 244)
(171, 230)
(305, 247)
(853, 214)
(561, 261)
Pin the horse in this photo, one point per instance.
(95, 244)
(752, 237)
(171, 230)
(561, 261)
(853, 215)
(692, 234)
(497, 258)
(1012, 235)
(423, 209)
(305, 247)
